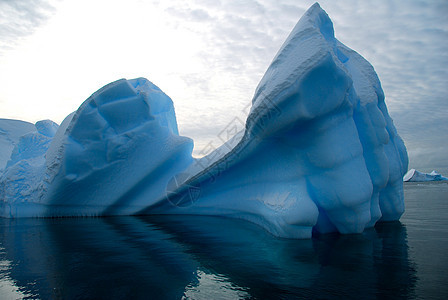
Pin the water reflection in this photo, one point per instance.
(198, 257)
(367, 265)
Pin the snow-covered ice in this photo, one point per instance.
(416, 176)
(319, 150)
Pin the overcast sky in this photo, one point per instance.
(209, 55)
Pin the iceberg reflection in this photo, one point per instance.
(189, 256)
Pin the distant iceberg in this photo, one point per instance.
(416, 176)
(319, 151)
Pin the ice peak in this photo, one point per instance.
(319, 19)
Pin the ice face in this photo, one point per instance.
(319, 151)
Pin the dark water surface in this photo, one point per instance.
(215, 258)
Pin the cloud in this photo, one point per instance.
(215, 53)
(20, 18)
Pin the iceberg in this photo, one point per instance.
(111, 156)
(319, 152)
(416, 176)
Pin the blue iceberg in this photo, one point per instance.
(319, 152)
(416, 176)
(112, 155)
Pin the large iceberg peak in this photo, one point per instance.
(319, 151)
(315, 18)
(305, 66)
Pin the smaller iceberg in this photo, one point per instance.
(21, 179)
(113, 156)
(416, 176)
(10, 133)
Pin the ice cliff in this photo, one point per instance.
(319, 151)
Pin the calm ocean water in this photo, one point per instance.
(215, 258)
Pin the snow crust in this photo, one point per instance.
(319, 153)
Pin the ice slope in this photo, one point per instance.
(416, 176)
(319, 151)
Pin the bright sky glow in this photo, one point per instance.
(209, 55)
